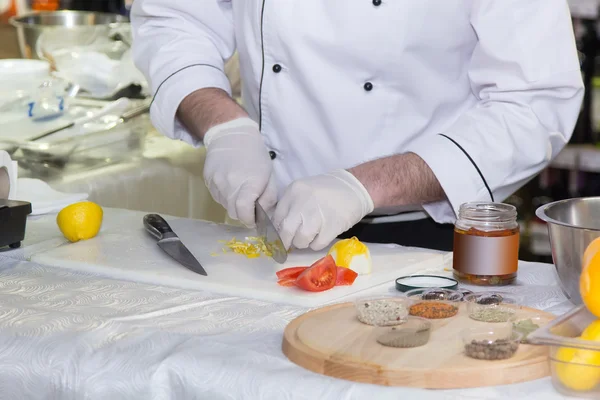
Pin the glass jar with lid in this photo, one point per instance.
(486, 244)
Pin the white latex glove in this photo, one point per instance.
(238, 169)
(315, 210)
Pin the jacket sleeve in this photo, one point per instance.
(526, 76)
(181, 46)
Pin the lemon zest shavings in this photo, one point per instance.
(251, 247)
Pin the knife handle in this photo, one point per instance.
(157, 226)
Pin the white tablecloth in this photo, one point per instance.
(71, 335)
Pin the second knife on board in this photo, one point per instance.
(170, 243)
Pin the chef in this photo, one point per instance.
(374, 118)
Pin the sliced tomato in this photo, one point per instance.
(345, 277)
(293, 272)
(287, 282)
(318, 277)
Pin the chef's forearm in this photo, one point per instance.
(399, 180)
(206, 108)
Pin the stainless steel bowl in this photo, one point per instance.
(41, 30)
(572, 224)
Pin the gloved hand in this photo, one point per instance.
(238, 169)
(315, 210)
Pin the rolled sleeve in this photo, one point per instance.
(529, 90)
(181, 47)
(177, 87)
(460, 178)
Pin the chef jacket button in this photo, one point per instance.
(376, 3)
(368, 86)
(277, 68)
(272, 154)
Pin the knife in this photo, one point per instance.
(170, 243)
(266, 230)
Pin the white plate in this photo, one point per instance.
(20, 73)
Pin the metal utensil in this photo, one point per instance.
(266, 230)
(170, 243)
(572, 225)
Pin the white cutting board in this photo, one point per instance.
(132, 254)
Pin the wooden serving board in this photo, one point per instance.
(331, 341)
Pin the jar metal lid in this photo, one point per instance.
(406, 283)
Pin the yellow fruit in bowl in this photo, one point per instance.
(578, 369)
(80, 221)
(353, 254)
(590, 251)
(592, 332)
(589, 284)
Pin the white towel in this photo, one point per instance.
(44, 199)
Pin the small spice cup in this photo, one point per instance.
(527, 325)
(491, 307)
(497, 343)
(415, 332)
(382, 310)
(434, 303)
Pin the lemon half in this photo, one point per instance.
(353, 254)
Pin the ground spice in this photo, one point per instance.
(433, 310)
(405, 337)
(492, 314)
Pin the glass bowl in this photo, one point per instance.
(382, 310)
(491, 307)
(434, 303)
(497, 343)
(415, 332)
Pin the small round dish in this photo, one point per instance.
(415, 332)
(527, 325)
(382, 310)
(406, 283)
(498, 343)
(491, 307)
(434, 303)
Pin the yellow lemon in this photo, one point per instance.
(577, 369)
(590, 251)
(352, 254)
(589, 284)
(80, 221)
(592, 332)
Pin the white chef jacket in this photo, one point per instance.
(486, 92)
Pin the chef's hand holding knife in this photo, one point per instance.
(238, 169)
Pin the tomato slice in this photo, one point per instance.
(318, 277)
(345, 277)
(293, 272)
(287, 282)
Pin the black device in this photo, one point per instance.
(13, 219)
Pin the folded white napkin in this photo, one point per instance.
(44, 199)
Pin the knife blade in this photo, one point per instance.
(170, 243)
(267, 230)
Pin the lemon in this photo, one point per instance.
(589, 284)
(352, 254)
(577, 369)
(592, 332)
(80, 221)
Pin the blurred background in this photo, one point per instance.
(121, 165)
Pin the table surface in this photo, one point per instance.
(71, 335)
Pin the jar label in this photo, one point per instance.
(486, 255)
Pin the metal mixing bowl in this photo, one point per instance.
(40, 31)
(572, 224)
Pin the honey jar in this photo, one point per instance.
(486, 244)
